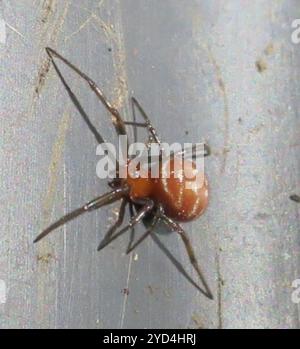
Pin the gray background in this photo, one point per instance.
(194, 67)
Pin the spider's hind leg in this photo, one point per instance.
(190, 251)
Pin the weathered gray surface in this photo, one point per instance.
(192, 66)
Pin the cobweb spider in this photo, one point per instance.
(166, 200)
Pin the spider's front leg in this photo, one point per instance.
(100, 201)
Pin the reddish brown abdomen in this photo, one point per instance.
(182, 197)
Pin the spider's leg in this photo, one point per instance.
(78, 106)
(190, 251)
(194, 262)
(116, 117)
(137, 124)
(195, 151)
(207, 151)
(92, 205)
(176, 263)
(119, 221)
(134, 123)
(147, 207)
(143, 237)
(156, 219)
(151, 129)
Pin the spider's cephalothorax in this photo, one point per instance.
(170, 199)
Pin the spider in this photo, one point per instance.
(150, 200)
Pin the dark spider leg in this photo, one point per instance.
(78, 106)
(134, 124)
(152, 130)
(193, 149)
(116, 119)
(177, 264)
(119, 221)
(148, 205)
(207, 151)
(156, 218)
(192, 257)
(190, 251)
(100, 201)
(144, 236)
(148, 124)
(137, 124)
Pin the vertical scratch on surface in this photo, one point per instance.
(48, 8)
(44, 63)
(196, 23)
(220, 309)
(57, 151)
(121, 92)
(123, 312)
(122, 96)
(119, 62)
(64, 230)
(65, 227)
(45, 278)
(223, 91)
(42, 74)
(44, 247)
(114, 34)
(58, 25)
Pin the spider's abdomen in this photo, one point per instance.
(182, 193)
(183, 196)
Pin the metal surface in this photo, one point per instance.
(222, 71)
